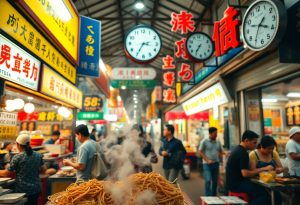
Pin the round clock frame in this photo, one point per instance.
(279, 30)
(133, 58)
(191, 56)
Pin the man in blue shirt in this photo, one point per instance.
(54, 138)
(173, 152)
(85, 154)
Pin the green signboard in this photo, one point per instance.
(90, 116)
(133, 84)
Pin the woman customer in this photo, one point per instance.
(27, 166)
(265, 155)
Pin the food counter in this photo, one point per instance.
(58, 183)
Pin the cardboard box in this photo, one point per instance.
(233, 200)
(208, 200)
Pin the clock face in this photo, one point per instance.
(264, 24)
(199, 46)
(142, 44)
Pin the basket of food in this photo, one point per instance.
(267, 177)
(141, 188)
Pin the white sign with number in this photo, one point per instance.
(133, 74)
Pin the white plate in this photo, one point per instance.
(67, 168)
(11, 198)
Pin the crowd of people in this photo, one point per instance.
(248, 160)
(245, 161)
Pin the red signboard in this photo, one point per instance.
(226, 32)
(182, 21)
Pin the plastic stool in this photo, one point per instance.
(242, 195)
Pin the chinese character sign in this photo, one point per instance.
(185, 73)
(169, 79)
(90, 31)
(56, 86)
(182, 21)
(226, 32)
(17, 65)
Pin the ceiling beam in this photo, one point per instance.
(204, 2)
(91, 5)
(155, 6)
(166, 7)
(121, 21)
(111, 45)
(182, 6)
(110, 24)
(103, 8)
(132, 18)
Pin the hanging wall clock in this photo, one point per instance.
(142, 44)
(264, 24)
(199, 46)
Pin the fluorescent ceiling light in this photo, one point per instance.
(123, 87)
(30, 98)
(139, 5)
(135, 106)
(266, 100)
(293, 95)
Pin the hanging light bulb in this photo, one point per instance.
(19, 103)
(10, 105)
(29, 108)
(64, 112)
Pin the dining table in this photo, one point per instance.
(276, 186)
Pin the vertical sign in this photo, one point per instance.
(169, 79)
(90, 31)
(226, 32)
(184, 69)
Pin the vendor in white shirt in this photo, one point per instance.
(292, 150)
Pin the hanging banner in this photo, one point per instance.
(14, 24)
(90, 35)
(60, 20)
(17, 65)
(133, 74)
(56, 86)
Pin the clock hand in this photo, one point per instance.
(264, 26)
(198, 48)
(140, 48)
(258, 28)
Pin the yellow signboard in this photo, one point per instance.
(14, 24)
(60, 20)
(8, 132)
(56, 86)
